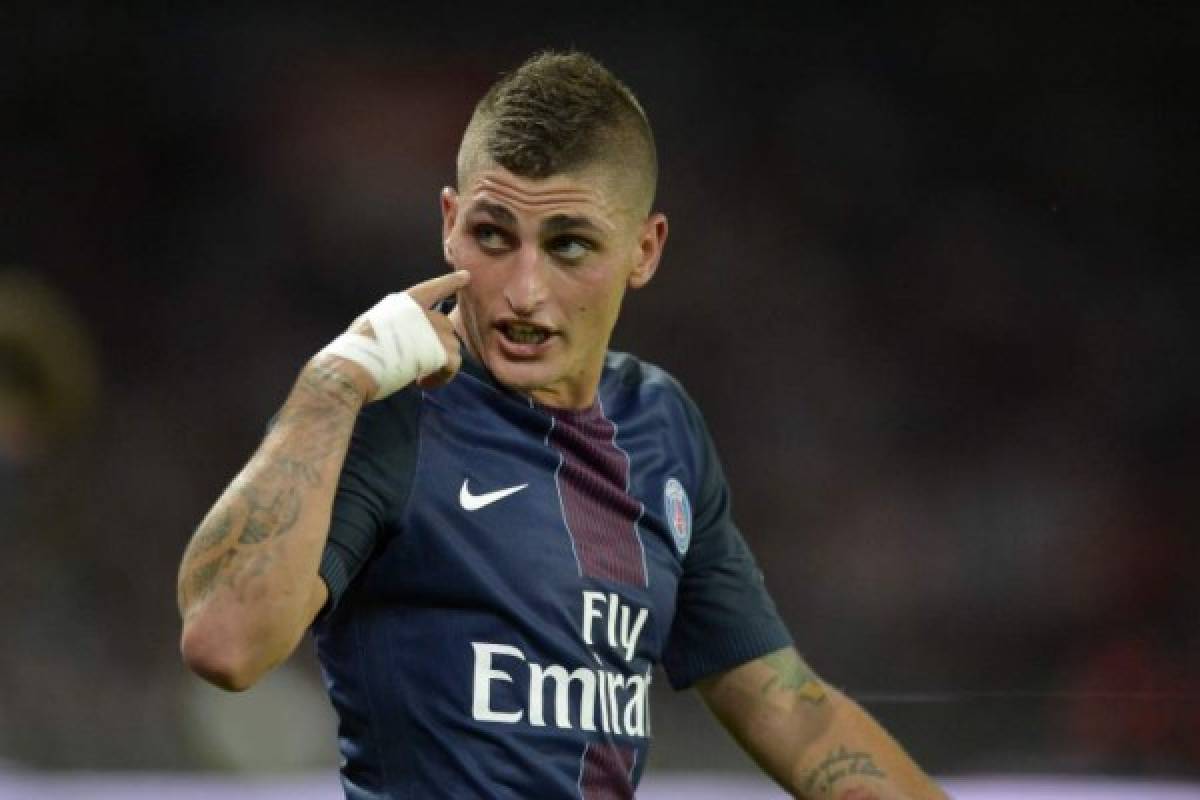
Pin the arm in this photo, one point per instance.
(248, 585)
(816, 742)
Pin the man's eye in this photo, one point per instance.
(570, 248)
(490, 237)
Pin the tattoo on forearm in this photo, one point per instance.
(230, 569)
(793, 675)
(266, 506)
(209, 536)
(327, 383)
(200, 582)
(269, 514)
(840, 763)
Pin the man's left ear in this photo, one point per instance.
(650, 246)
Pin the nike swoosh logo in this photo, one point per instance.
(474, 502)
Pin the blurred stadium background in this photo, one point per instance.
(928, 276)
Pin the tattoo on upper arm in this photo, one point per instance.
(840, 763)
(793, 675)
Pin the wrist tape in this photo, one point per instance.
(405, 347)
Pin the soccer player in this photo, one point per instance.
(495, 527)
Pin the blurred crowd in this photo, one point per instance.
(927, 276)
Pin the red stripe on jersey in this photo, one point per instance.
(607, 772)
(600, 514)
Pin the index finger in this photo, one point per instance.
(434, 290)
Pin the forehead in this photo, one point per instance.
(586, 193)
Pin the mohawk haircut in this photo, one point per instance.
(560, 113)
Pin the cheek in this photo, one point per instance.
(483, 296)
(586, 293)
(458, 251)
(461, 255)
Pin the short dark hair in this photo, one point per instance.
(561, 112)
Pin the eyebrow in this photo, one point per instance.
(561, 223)
(496, 211)
(556, 224)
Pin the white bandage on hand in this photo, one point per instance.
(405, 347)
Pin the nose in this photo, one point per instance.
(527, 287)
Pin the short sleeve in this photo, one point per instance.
(724, 615)
(375, 479)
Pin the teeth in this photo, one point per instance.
(525, 334)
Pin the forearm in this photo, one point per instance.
(854, 758)
(248, 584)
(812, 739)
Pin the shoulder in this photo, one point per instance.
(629, 378)
(629, 371)
(652, 406)
(632, 386)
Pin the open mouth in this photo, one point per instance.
(524, 333)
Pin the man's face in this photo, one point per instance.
(550, 261)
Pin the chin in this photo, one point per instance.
(524, 376)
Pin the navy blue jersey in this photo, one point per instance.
(504, 577)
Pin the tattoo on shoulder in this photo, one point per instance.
(841, 763)
(793, 675)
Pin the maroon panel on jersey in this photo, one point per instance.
(606, 772)
(600, 514)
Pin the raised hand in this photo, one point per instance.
(399, 340)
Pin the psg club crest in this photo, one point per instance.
(678, 512)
